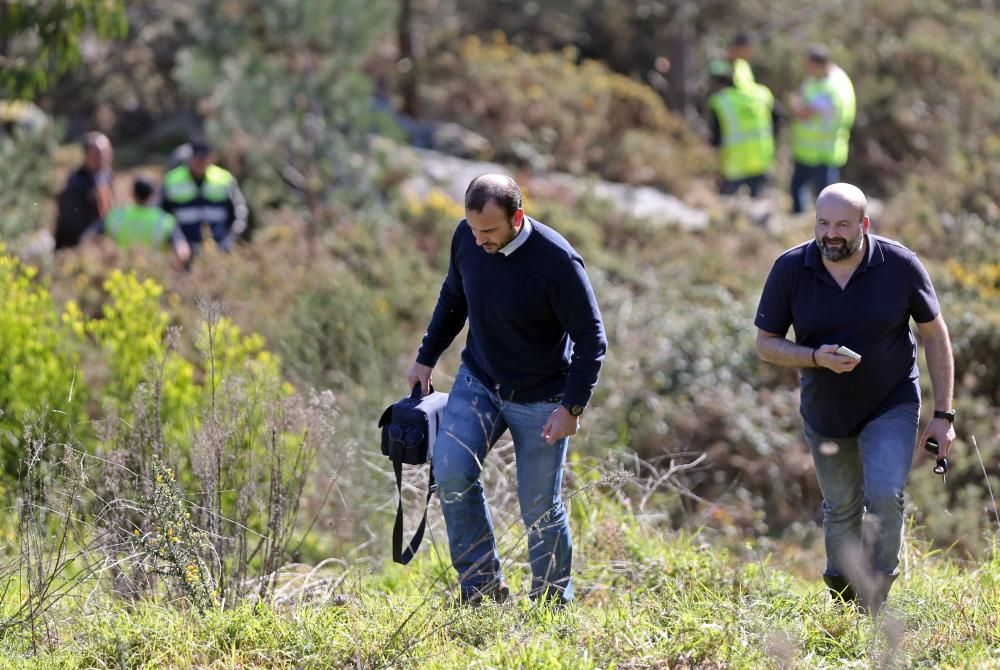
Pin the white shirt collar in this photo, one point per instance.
(519, 239)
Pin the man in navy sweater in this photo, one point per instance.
(534, 350)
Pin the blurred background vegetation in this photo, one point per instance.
(313, 105)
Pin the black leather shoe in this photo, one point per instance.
(840, 589)
(497, 592)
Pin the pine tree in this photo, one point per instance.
(282, 84)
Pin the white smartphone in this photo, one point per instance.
(844, 351)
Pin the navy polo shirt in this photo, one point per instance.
(871, 315)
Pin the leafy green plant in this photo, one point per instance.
(131, 332)
(27, 156)
(39, 356)
(42, 39)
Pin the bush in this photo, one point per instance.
(693, 384)
(27, 157)
(341, 333)
(49, 363)
(969, 294)
(131, 332)
(547, 111)
(39, 357)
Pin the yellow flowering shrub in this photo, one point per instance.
(982, 281)
(132, 334)
(227, 351)
(432, 221)
(131, 331)
(39, 355)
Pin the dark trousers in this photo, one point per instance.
(755, 184)
(817, 176)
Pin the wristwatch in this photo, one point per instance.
(575, 410)
(941, 414)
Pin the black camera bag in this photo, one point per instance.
(409, 429)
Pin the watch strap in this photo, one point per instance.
(941, 414)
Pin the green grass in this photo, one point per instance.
(647, 599)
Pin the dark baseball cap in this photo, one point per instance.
(200, 147)
(818, 53)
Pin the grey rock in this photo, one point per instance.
(434, 170)
(640, 202)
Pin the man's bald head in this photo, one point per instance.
(96, 152)
(843, 194)
(499, 188)
(841, 223)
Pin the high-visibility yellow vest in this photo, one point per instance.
(180, 187)
(824, 138)
(743, 74)
(139, 225)
(195, 206)
(747, 135)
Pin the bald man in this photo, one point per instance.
(861, 406)
(535, 347)
(87, 197)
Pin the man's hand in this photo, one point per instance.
(826, 357)
(419, 374)
(943, 432)
(560, 424)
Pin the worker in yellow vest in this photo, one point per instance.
(203, 196)
(742, 124)
(823, 113)
(143, 224)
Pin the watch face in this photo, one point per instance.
(576, 410)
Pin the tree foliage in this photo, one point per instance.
(40, 39)
(282, 85)
(26, 153)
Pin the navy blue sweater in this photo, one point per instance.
(535, 331)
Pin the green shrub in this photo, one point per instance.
(432, 222)
(969, 293)
(341, 333)
(27, 157)
(547, 111)
(131, 332)
(176, 548)
(39, 357)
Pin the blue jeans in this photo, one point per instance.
(865, 475)
(818, 176)
(473, 420)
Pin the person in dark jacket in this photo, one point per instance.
(535, 347)
(88, 196)
(203, 196)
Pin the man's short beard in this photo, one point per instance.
(836, 254)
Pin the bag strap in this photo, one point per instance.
(417, 392)
(398, 555)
